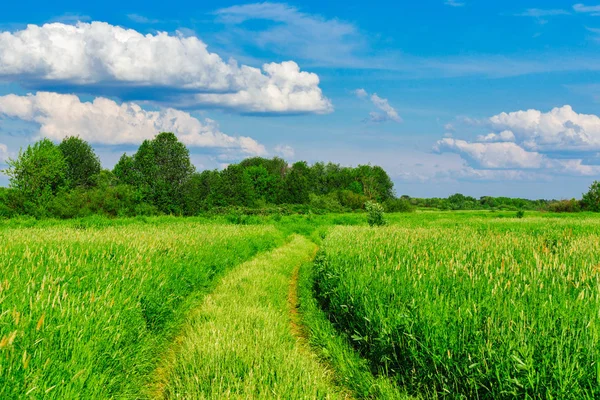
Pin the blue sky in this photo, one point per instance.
(483, 98)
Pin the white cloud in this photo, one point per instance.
(493, 155)
(560, 129)
(292, 33)
(97, 53)
(592, 10)
(454, 3)
(103, 121)
(504, 136)
(282, 89)
(360, 93)
(140, 19)
(539, 13)
(389, 113)
(285, 151)
(549, 144)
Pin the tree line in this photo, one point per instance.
(66, 180)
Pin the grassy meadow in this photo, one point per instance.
(482, 307)
(86, 311)
(433, 305)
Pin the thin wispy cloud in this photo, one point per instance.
(454, 3)
(540, 13)
(386, 113)
(140, 19)
(591, 10)
(314, 39)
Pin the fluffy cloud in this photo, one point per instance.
(104, 121)
(388, 113)
(285, 151)
(284, 89)
(560, 129)
(504, 136)
(96, 54)
(555, 142)
(493, 155)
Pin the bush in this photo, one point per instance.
(398, 205)
(351, 200)
(374, 214)
(328, 202)
(520, 214)
(565, 206)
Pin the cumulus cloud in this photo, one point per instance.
(560, 129)
(282, 89)
(493, 155)
(388, 113)
(504, 136)
(97, 54)
(560, 141)
(103, 121)
(285, 151)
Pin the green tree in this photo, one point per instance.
(233, 188)
(591, 199)
(83, 165)
(196, 191)
(125, 171)
(159, 170)
(39, 172)
(297, 184)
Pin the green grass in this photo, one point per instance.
(334, 349)
(87, 307)
(472, 307)
(437, 304)
(239, 343)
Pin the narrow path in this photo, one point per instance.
(245, 341)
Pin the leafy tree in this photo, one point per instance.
(159, 169)
(83, 165)
(125, 171)
(196, 190)
(297, 184)
(39, 172)
(591, 199)
(233, 188)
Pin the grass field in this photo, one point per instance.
(436, 304)
(483, 308)
(85, 312)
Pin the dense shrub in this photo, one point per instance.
(398, 205)
(565, 206)
(374, 214)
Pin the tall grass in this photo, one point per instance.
(85, 312)
(239, 343)
(485, 308)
